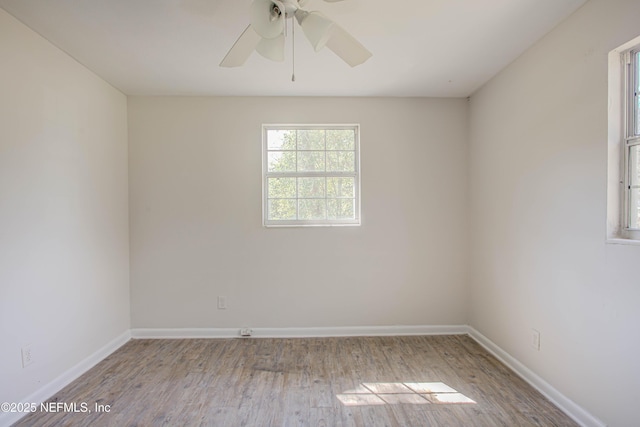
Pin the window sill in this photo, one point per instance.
(307, 225)
(621, 241)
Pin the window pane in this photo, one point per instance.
(637, 91)
(311, 161)
(281, 139)
(341, 139)
(341, 209)
(634, 164)
(281, 161)
(340, 187)
(282, 188)
(634, 196)
(311, 139)
(341, 161)
(282, 209)
(634, 219)
(311, 188)
(312, 209)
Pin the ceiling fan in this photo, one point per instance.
(266, 33)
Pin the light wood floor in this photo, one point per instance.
(373, 381)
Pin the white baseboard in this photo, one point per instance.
(48, 390)
(347, 331)
(569, 407)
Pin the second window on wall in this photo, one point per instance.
(632, 139)
(311, 175)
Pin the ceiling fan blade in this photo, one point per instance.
(267, 18)
(346, 47)
(272, 49)
(241, 49)
(316, 27)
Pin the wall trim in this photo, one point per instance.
(347, 331)
(568, 406)
(45, 392)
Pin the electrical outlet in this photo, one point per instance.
(222, 303)
(535, 339)
(245, 332)
(27, 355)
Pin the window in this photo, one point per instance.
(311, 175)
(623, 169)
(632, 139)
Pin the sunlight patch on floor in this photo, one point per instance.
(367, 394)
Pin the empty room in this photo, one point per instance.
(319, 213)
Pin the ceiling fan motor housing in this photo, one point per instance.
(291, 6)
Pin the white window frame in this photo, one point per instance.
(266, 174)
(620, 119)
(631, 135)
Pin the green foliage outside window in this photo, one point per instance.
(311, 174)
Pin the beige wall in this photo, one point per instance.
(64, 283)
(538, 180)
(195, 183)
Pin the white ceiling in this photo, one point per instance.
(440, 48)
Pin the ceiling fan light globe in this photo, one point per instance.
(317, 28)
(272, 49)
(264, 21)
